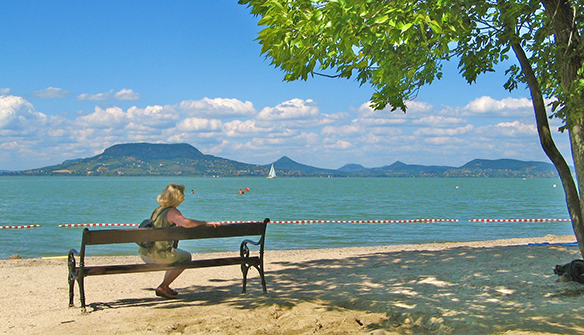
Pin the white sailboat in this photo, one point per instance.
(272, 173)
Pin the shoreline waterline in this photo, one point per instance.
(548, 239)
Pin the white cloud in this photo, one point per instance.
(340, 144)
(51, 93)
(343, 130)
(413, 107)
(383, 122)
(443, 140)
(158, 117)
(240, 128)
(508, 129)
(217, 108)
(445, 131)
(112, 117)
(199, 124)
(506, 107)
(126, 94)
(418, 107)
(18, 114)
(94, 97)
(293, 109)
(437, 121)
(123, 94)
(366, 111)
(387, 118)
(4, 91)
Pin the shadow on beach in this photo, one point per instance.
(452, 291)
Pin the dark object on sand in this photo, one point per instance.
(573, 271)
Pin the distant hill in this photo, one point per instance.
(288, 167)
(147, 151)
(474, 168)
(507, 168)
(400, 169)
(147, 159)
(349, 168)
(508, 164)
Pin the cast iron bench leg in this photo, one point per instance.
(261, 270)
(81, 291)
(244, 269)
(71, 277)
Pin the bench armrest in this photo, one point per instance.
(244, 250)
(251, 242)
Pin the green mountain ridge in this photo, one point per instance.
(146, 151)
(181, 159)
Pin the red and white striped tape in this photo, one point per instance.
(311, 221)
(519, 220)
(21, 227)
(366, 221)
(99, 225)
(277, 222)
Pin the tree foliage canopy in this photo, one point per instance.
(398, 46)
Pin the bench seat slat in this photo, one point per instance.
(133, 268)
(95, 237)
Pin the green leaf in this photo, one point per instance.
(381, 19)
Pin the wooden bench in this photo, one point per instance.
(112, 236)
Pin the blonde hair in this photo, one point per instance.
(173, 195)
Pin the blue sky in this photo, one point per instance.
(78, 77)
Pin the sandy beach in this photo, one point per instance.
(494, 287)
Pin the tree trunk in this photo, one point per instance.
(568, 40)
(549, 147)
(577, 142)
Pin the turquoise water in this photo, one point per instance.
(51, 201)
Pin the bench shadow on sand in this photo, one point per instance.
(460, 290)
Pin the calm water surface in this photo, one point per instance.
(51, 201)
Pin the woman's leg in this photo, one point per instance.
(163, 289)
(170, 275)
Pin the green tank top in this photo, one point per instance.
(160, 249)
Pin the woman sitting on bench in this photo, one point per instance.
(163, 251)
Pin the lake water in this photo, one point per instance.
(52, 201)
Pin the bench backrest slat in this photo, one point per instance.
(110, 236)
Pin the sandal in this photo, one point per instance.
(171, 291)
(164, 293)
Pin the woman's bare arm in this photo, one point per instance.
(176, 217)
